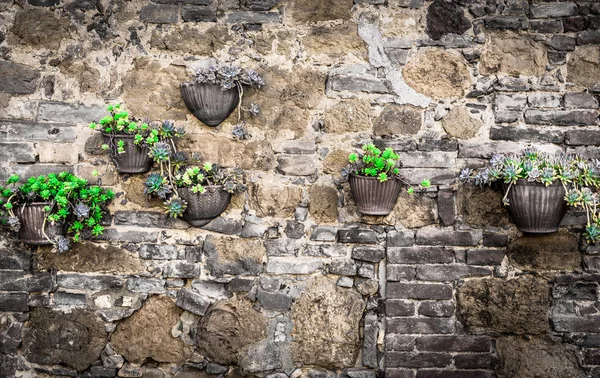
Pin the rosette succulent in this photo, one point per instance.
(579, 176)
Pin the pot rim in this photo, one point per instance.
(126, 136)
(374, 178)
(193, 83)
(524, 182)
(206, 186)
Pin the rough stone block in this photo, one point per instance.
(543, 100)
(298, 265)
(400, 272)
(507, 22)
(227, 226)
(159, 252)
(363, 83)
(575, 24)
(399, 290)
(14, 302)
(253, 17)
(399, 373)
(30, 131)
(495, 240)
(582, 138)
(69, 113)
(554, 10)
(554, 251)
(485, 256)
(546, 26)
(419, 255)
(195, 13)
(518, 134)
(400, 238)
(62, 298)
(454, 374)
(18, 78)
(561, 117)
(357, 236)
(478, 344)
(580, 100)
(181, 269)
(228, 255)
(417, 360)
(575, 324)
(373, 254)
(483, 305)
(114, 234)
(450, 272)
(11, 280)
(191, 301)
(282, 247)
(576, 291)
(420, 325)
(146, 285)
(323, 233)
(428, 159)
(562, 43)
(446, 207)
(445, 237)
(588, 38)
(345, 267)
(294, 165)
(15, 260)
(17, 152)
(147, 219)
(160, 14)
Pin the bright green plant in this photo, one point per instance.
(373, 162)
(72, 201)
(576, 174)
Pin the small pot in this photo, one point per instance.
(203, 208)
(536, 208)
(32, 218)
(373, 197)
(208, 102)
(135, 159)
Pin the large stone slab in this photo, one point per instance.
(517, 306)
(228, 255)
(39, 28)
(18, 78)
(558, 251)
(326, 321)
(53, 337)
(147, 333)
(583, 66)
(513, 54)
(228, 326)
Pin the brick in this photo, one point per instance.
(400, 272)
(90, 283)
(495, 240)
(454, 374)
(416, 159)
(181, 269)
(370, 334)
(506, 116)
(575, 24)
(398, 290)
(51, 152)
(527, 134)
(14, 302)
(395, 342)
(510, 102)
(17, 152)
(160, 14)
(544, 100)
(473, 361)
(15, 260)
(62, 298)
(159, 252)
(441, 144)
(419, 255)
(195, 13)
(52, 111)
(576, 324)
(437, 309)
(444, 237)
(372, 254)
(417, 360)
(561, 117)
(346, 267)
(478, 344)
(18, 78)
(297, 265)
(507, 22)
(147, 219)
(400, 238)
(485, 256)
(450, 272)
(395, 307)
(583, 138)
(588, 38)
(554, 10)
(34, 131)
(446, 207)
(253, 17)
(546, 26)
(591, 357)
(576, 291)
(357, 236)
(580, 100)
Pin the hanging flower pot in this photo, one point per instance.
(133, 159)
(536, 208)
(372, 196)
(203, 208)
(32, 218)
(208, 102)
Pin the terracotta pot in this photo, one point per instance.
(208, 102)
(32, 217)
(135, 159)
(535, 208)
(203, 208)
(373, 197)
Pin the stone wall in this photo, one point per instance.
(291, 281)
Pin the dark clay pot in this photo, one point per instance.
(373, 197)
(32, 217)
(535, 208)
(135, 159)
(203, 208)
(208, 102)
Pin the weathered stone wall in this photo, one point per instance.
(291, 280)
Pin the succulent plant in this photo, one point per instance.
(175, 207)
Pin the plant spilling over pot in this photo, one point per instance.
(189, 190)
(65, 203)
(375, 180)
(130, 141)
(539, 185)
(216, 92)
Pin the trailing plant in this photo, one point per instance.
(72, 201)
(576, 174)
(118, 123)
(229, 77)
(373, 162)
